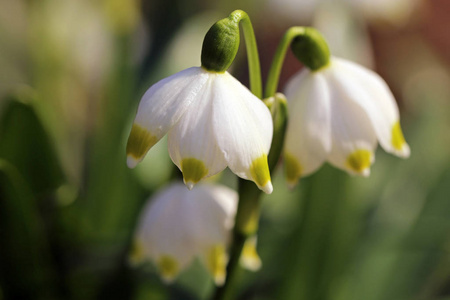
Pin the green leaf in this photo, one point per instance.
(26, 145)
(26, 271)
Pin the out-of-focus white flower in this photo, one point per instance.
(212, 120)
(338, 114)
(177, 225)
(396, 12)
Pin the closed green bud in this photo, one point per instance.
(311, 49)
(221, 44)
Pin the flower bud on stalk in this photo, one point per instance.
(221, 44)
(311, 49)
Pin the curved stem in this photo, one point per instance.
(254, 68)
(277, 62)
(247, 215)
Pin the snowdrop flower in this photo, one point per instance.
(339, 111)
(396, 12)
(212, 120)
(178, 225)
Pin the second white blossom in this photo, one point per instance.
(338, 114)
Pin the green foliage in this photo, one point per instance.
(27, 270)
(27, 146)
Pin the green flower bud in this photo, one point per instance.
(221, 44)
(311, 49)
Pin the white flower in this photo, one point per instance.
(396, 12)
(178, 225)
(212, 120)
(337, 114)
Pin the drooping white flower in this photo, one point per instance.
(338, 114)
(212, 120)
(177, 225)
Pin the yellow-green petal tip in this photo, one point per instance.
(250, 258)
(359, 161)
(168, 268)
(217, 262)
(398, 141)
(293, 169)
(139, 142)
(193, 171)
(259, 171)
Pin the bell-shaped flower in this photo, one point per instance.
(212, 121)
(338, 113)
(178, 225)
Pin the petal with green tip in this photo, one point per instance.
(161, 107)
(242, 127)
(192, 145)
(308, 136)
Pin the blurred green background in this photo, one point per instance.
(71, 75)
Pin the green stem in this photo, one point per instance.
(254, 68)
(247, 218)
(277, 62)
(247, 215)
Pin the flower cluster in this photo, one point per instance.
(338, 112)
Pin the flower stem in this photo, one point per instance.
(247, 215)
(252, 52)
(277, 62)
(248, 211)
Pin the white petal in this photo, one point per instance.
(227, 199)
(192, 145)
(160, 108)
(353, 137)
(377, 99)
(308, 134)
(165, 226)
(243, 129)
(215, 207)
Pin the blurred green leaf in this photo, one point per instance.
(26, 270)
(423, 246)
(325, 231)
(26, 145)
(113, 197)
